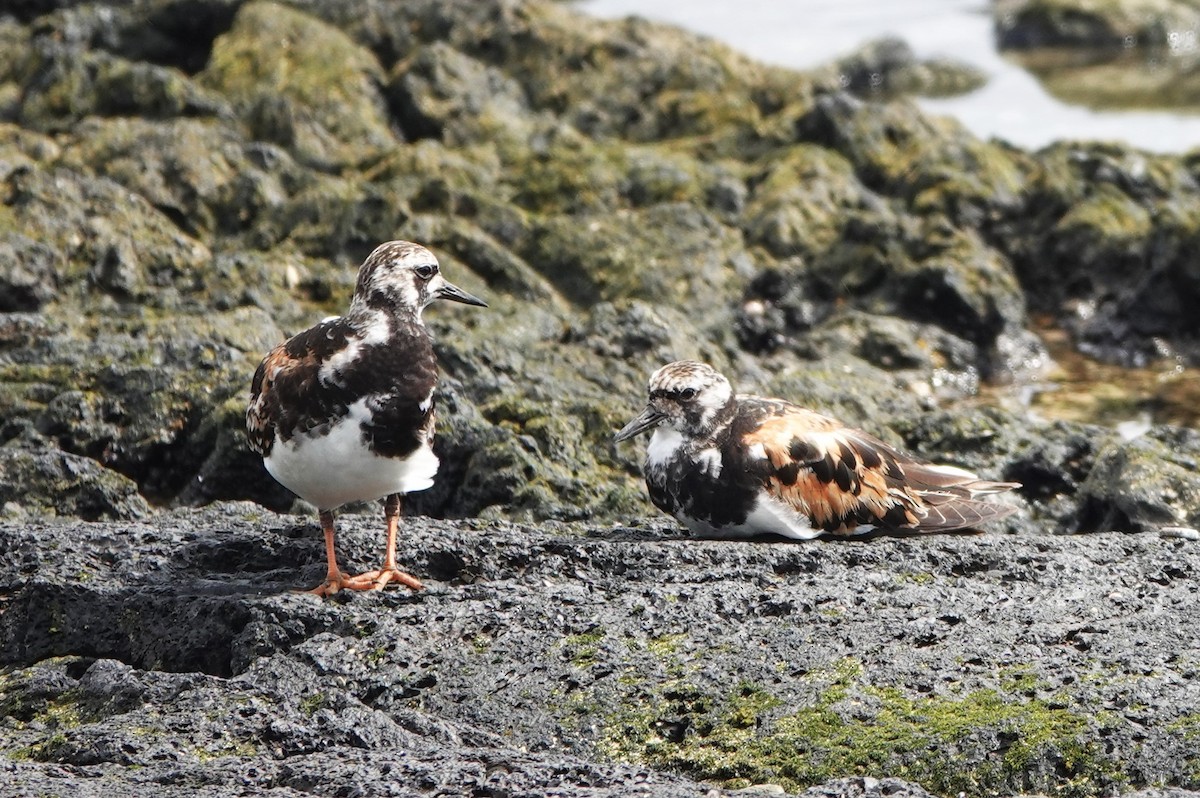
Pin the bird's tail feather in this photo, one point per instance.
(950, 497)
(960, 513)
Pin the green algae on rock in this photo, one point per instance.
(627, 194)
(1002, 663)
(978, 742)
(301, 83)
(1094, 23)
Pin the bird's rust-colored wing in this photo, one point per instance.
(844, 479)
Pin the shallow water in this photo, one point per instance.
(1078, 388)
(1013, 105)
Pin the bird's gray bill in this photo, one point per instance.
(456, 294)
(647, 419)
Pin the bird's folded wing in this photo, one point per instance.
(841, 478)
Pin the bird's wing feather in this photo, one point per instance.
(843, 478)
(292, 368)
(839, 477)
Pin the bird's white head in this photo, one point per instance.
(405, 277)
(693, 398)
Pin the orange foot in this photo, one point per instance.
(334, 581)
(378, 580)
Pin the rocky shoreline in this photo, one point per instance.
(174, 654)
(185, 182)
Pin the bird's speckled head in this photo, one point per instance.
(693, 398)
(405, 277)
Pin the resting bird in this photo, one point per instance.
(734, 465)
(343, 411)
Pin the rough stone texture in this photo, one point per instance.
(589, 660)
(185, 182)
(1096, 23)
(1106, 54)
(888, 67)
(622, 193)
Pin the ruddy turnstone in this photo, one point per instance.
(742, 465)
(344, 410)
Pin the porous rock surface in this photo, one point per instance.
(579, 660)
(183, 183)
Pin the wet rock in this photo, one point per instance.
(888, 67)
(1114, 23)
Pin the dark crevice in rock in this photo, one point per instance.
(150, 630)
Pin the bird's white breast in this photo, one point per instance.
(338, 467)
(664, 443)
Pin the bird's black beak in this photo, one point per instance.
(646, 419)
(455, 294)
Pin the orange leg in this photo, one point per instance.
(335, 580)
(377, 580)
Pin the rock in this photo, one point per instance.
(1092, 230)
(543, 657)
(66, 83)
(105, 237)
(859, 256)
(888, 67)
(442, 93)
(200, 173)
(1114, 23)
(1146, 483)
(802, 202)
(649, 199)
(41, 482)
(300, 83)
(28, 274)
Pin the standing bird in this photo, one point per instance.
(343, 411)
(743, 465)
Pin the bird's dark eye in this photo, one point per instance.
(426, 270)
(687, 394)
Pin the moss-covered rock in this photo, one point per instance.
(42, 482)
(200, 172)
(302, 84)
(672, 253)
(65, 84)
(888, 67)
(1145, 483)
(112, 246)
(445, 94)
(1094, 23)
(800, 201)
(1102, 214)
(622, 193)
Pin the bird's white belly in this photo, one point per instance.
(768, 516)
(333, 469)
